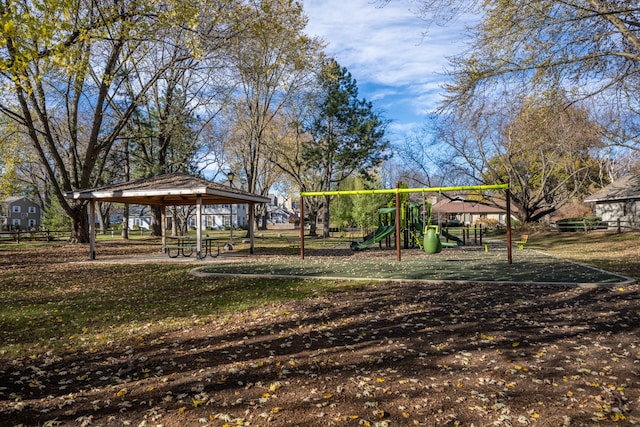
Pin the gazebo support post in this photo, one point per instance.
(252, 231)
(92, 229)
(301, 227)
(398, 255)
(199, 226)
(163, 220)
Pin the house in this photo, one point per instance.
(214, 217)
(618, 202)
(466, 212)
(20, 213)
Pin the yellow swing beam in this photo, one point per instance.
(397, 191)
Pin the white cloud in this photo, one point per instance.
(396, 65)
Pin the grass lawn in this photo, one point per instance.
(85, 343)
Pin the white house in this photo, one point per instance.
(214, 217)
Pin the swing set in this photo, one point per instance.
(398, 213)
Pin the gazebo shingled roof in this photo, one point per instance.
(173, 189)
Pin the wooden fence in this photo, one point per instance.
(23, 235)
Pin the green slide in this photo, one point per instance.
(453, 237)
(381, 233)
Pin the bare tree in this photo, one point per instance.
(540, 147)
(65, 65)
(272, 63)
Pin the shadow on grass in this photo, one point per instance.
(399, 331)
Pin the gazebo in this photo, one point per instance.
(174, 189)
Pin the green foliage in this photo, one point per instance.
(347, 135)
(360, 211)
(55, 218)
(9, 159)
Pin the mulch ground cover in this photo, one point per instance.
(395, 353)
(472, 263)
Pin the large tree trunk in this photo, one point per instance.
(313, 219)
(156, 220)
(101, 216)
(80, 224)
(326, 217)
(174, 221)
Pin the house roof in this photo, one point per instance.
(623, 189)
(10, 200)
(174, 189)
(460, 206)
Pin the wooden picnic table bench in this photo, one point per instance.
(180, 250)
(189, 243)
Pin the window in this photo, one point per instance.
(16, 209)
(32, 223)
(32, 209)
(16, 222)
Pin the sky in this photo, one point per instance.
(397, 66)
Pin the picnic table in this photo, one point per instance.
(185, 246)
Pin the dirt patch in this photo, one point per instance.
(390, 354)
(384, 354)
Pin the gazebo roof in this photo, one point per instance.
(174, 189)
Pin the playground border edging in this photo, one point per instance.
(584, 285)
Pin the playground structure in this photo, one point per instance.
(415, 226)
(397, 228)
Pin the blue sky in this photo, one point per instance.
(397, 66)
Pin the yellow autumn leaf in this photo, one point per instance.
(122, 392)
(515, 344)
(327, 395)
(9, 27)
(380, 380)
(275, 386)
(197, 402)
(382, 413)
(182, 409)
